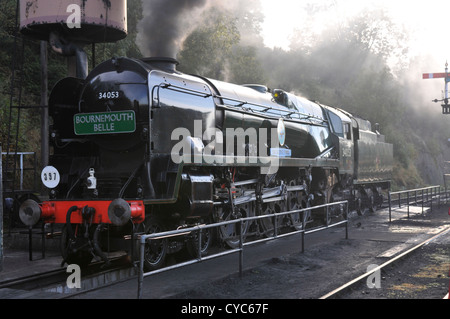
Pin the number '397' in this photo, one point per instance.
(49, 176)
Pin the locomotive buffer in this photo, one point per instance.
(446, 76)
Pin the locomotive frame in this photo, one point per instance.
(139, 147)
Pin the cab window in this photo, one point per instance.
(336, 124)
(347, 131)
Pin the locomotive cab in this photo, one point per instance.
(340, 125)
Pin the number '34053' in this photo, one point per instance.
(108, 95)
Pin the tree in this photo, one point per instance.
(207, 49)
(29, 83)
(375, 31)
(245, 66)
(214, 49)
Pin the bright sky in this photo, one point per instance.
(428, 21)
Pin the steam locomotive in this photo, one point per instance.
(139, 147)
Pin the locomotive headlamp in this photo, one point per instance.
(280, 97)
(91, 180)
(30, 212)
(119, 212)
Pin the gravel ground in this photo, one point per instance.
(327, 266)
(423, 275)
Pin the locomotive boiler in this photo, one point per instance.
(138, 147)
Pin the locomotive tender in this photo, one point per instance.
(139, 147)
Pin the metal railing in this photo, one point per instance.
(415, 197)
(240, 222)
(1, 213)
(12, 173)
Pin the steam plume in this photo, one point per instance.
(166, 24)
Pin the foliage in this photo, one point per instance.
(214, 50)
(352, 65)
(208, 48)
(245, 67)
(26, 88)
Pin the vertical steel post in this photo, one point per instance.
(303, 232)
(445, 194)
(141, 267)
(21, 170)
(438, 194)
(1, 212)
(346, 218)
(445, 188)
(390, 207)
(43, 241)
(199, 246)
(422, 201)
(407, 198)
(275, 225)
(44, 105)
(241, 249)
(446, 82)
(30, 243)
(431, 201)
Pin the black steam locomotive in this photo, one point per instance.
(139, 147)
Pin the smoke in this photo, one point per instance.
(166, 23)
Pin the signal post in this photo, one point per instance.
(446, 77)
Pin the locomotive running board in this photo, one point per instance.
(236, 161)
(269, 194)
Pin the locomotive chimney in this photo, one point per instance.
(162, 63)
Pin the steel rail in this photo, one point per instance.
(367, 274)
(57, 277)
(10, 283)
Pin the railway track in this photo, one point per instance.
(346, 289)
(54, 282)
(35, 281)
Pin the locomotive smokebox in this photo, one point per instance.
(163, 63)
(93, 21)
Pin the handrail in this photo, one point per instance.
(20, 170)
(414, 199)
(413, 190)
(266, 108)
(242, 244)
